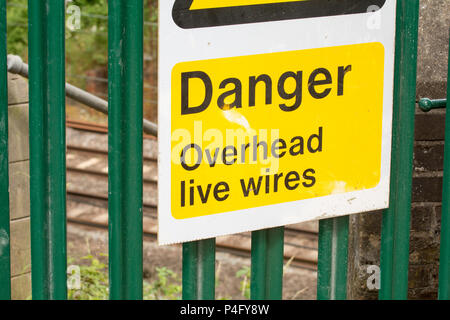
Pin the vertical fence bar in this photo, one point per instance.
(199, 258)
(125, 89)
(332, 260)
(396, 219)
(444, 263)
(267, 264)
(47, 149)
(5, 266)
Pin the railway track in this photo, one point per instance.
(87, 188)
(93, 127)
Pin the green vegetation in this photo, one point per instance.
(167, 286)
(244, 275)
(86, 48)
(17, 17)
(94, 282)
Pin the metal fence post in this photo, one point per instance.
(5, 264)
(47, 148)
(444, 263)
(125, 95)
(267, 264)
(332, 260)
(199, 258)
(396, 219)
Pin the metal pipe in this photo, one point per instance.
(199, 258)
(332, 260)
(5, 262)
(125, 97)
(47, 150)
(444, 263)
(17, 66)
(267, 264)
(427, 104)
(396, 219)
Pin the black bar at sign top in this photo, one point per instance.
(188, 19)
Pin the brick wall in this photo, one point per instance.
(427, 175)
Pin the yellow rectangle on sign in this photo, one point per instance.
(209, 4)
(264, 129)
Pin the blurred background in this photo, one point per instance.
(87, 51)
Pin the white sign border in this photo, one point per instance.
(180, 45)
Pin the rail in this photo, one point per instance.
(17, 66)
(427, 104)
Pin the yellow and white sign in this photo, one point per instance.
(208, 4)
(274, 123)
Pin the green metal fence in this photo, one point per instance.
(47, 170)
(5, 268)
(444, 261)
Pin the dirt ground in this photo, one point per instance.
(298, 283)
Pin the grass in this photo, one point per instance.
(89, 281)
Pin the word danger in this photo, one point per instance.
(318, 85)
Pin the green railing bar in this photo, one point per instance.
(396, 219)
(125, 88)
(332, 259)
(427, 104)
(47, 149)
(266, 281)
(444, 263)
(199, 259)
(5, 263)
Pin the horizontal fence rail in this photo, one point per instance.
(17, 66)
(427, 104)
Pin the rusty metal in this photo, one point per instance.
(93, 127)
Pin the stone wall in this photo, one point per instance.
(19, 187)
(427, 176)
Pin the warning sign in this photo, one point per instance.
(261, 125)
(235, 146)
(208, 13)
